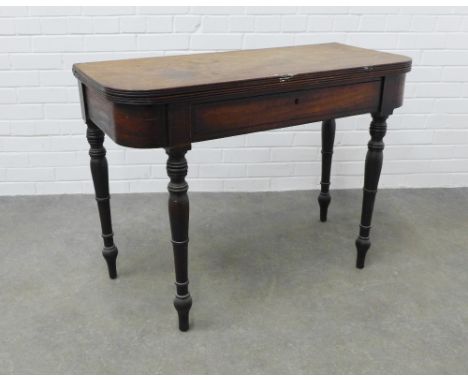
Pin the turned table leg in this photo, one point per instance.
(99, 172)
(328, 137)
(179, 220)
(373, 167)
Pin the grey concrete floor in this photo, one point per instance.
(274, 290)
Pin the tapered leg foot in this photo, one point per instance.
(99, 171)
(373, 167)
(183, 305)
(110, 255)
(324, 200)
(328, 138)
(362, 246)
(179, 219)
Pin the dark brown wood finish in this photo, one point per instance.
(373, 167)
(220, 119)
(179, 219)
(142, 125)
(328, 138)
(182, 78)
(171, 102)
(99, 172)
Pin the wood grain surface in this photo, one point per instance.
(175, 75)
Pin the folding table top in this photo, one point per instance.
(181, 74)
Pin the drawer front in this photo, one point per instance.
(231, 117)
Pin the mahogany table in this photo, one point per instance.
(170, 102)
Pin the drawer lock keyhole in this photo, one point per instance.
(296, 101)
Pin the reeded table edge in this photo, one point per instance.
(276, 82)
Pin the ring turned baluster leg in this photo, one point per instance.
(328, 137)
(179, 220)
(373, 167)
(99, 172)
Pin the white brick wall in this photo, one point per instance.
(42, 145)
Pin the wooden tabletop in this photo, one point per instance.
(187, 73)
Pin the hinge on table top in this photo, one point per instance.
(286, 77)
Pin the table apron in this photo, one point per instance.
(181, 123)
(231, 117)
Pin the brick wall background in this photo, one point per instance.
(42, 145)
